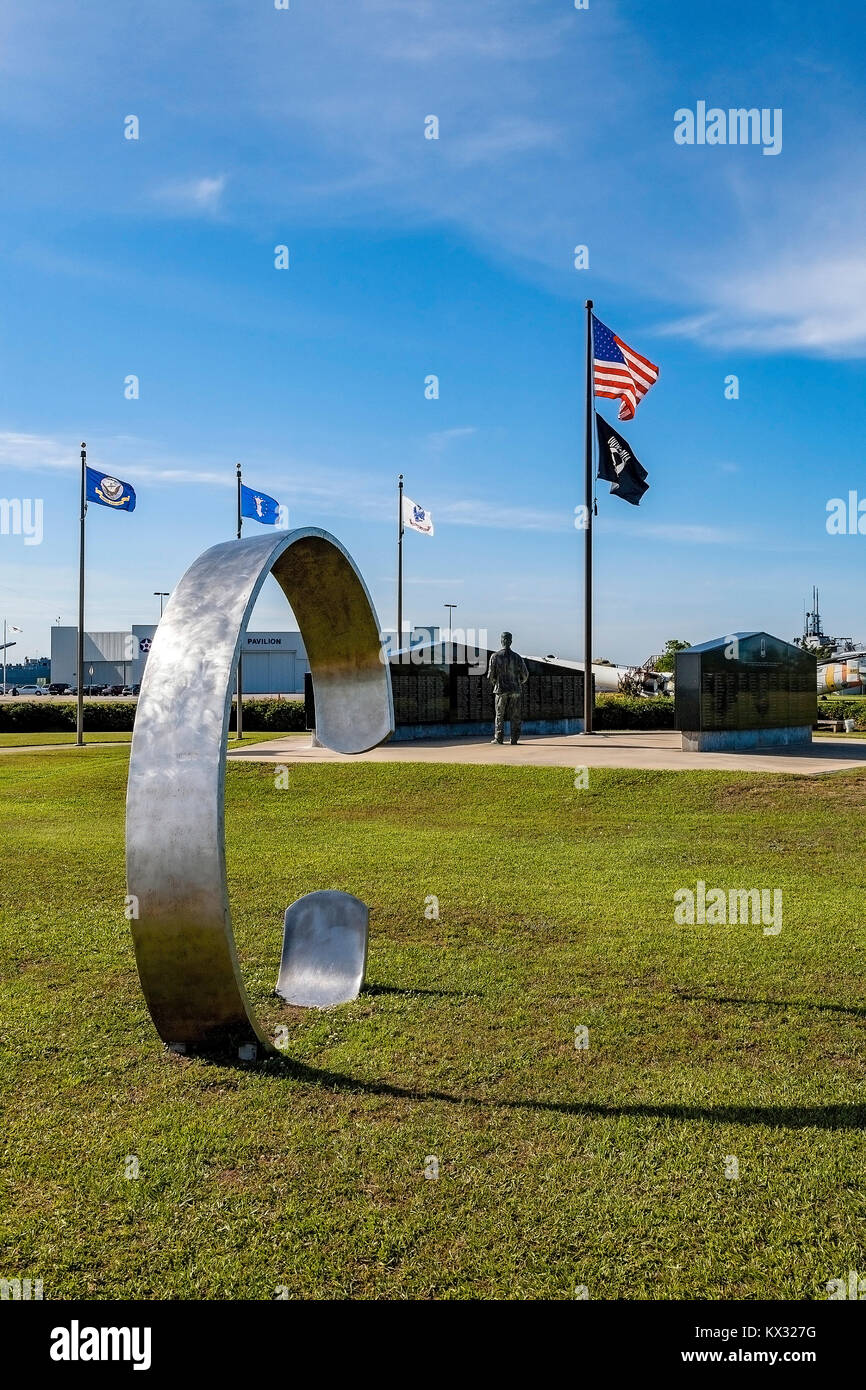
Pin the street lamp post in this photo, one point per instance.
(5, 645)
(160, 594)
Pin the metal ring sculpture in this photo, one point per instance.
(175, 836)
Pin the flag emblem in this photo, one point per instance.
(618, 371)
(417, 518)
(112, 491)
(108, 491)
(259, 507)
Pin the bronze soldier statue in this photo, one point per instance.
(508, 674)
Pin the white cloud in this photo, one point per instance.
(809, 303)
(447, 583)
(38, 453)
(687, 534)
(336, 493)
(438, 440)
(26, 452)
(503, 138)
(505, 518)
(515, 518)
(202, 195)
(323, 113)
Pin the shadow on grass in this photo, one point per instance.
(438, 993)
(832, 1117)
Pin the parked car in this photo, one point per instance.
(58, 688)
(28, 690)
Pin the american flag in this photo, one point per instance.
(618, 371)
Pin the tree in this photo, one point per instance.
(820, 653)
(667, 660)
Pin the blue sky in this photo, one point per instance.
(305, 127)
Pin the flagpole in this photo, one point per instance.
(79, 714)
(588, 701)
(400, 563)
(239, 730)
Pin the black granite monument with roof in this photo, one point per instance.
(747, 690)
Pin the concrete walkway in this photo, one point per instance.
(655, 750)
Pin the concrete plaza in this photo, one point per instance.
(657, 750)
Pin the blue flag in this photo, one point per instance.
(109, 492)
(259, 507)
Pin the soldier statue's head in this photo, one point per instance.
(505, 638)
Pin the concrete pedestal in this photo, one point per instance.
(738, 740)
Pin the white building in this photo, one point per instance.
(274, 663)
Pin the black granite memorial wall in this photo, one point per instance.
(437, 687)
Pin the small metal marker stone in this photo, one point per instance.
(324, 956)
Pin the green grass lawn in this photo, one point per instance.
(558, 1167)
(28, 739)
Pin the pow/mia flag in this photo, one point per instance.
(617, 464)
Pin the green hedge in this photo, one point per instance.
(286, 716)
(105, 716)
(657, 711)
(837, 707)
(54, 716)
(627, 712)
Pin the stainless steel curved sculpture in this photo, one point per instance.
(175, 841)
